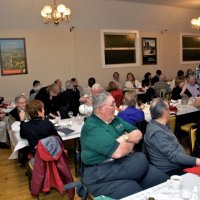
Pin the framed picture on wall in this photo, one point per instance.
(13, 56)
(149, 51)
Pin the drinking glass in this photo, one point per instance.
(70, 113)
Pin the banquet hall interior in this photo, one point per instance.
(76, 49)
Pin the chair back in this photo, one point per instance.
(162, 92)
(172, 122)
(192, 138)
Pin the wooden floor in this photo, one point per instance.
(14, 182)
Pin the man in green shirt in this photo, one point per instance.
(107, 146)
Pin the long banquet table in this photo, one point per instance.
(19, 142)
(182, 110)
(164, 191)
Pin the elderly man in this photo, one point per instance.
(87, 99)
(161, 87)
(164, 150)
(107, 150)
(19, 112)
(192, 86)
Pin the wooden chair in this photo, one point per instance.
(187, 127)
(192, 138)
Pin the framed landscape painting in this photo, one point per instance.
(13, 56)
(149, 51)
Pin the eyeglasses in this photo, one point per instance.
(23, 102)
(112, 105)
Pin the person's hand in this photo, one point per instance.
(2, 114)
(196, 103)
(89, 102)
(198, 161)
(183, 90)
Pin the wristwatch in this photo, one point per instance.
(125, 137)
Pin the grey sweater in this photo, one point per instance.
(165, 152)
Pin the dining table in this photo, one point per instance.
(67, 128)
(165, 191)
(180, 109)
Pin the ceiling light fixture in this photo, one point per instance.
(56, 14)
(196, 23)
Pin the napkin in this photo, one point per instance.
(173, 109)
(193, 170)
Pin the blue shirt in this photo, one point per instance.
(132, 115)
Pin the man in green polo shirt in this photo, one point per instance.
(107, 146)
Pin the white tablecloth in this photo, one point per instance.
(182, 109)
(19, 143)
(164, 191)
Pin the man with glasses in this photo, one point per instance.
(19, 112)
(107, 150)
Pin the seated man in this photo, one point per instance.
(19, 112)
(164, 150)
(86, 100)
(192, 86)
(107, 150)
(161, 85)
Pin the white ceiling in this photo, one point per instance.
(191, 4)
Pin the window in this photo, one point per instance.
(190, 48)
(119, 48)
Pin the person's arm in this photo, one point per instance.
(127, 142)
(123, 149)
(183, 90)
(169, 147)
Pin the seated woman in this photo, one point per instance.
(131, 82)
(131, 114)
(180, 89)
(116, 92)
(37, 128)
(48, 96)
(146, 82)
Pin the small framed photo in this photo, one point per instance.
(13, 56)
(149, 51)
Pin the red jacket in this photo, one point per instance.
(51, 168)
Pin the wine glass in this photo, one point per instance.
(70, 113)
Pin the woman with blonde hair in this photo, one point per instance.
(47, 96)
(131, 114)
(131, 82)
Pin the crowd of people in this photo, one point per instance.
(113, 165)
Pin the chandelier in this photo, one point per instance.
(196, 23)
(56, 14)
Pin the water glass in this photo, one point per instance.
(70, 113)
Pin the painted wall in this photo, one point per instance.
(55, 52)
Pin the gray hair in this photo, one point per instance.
(68, 85)
(96, 86)
(158, 106)
(20, 96)
(100, 99)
